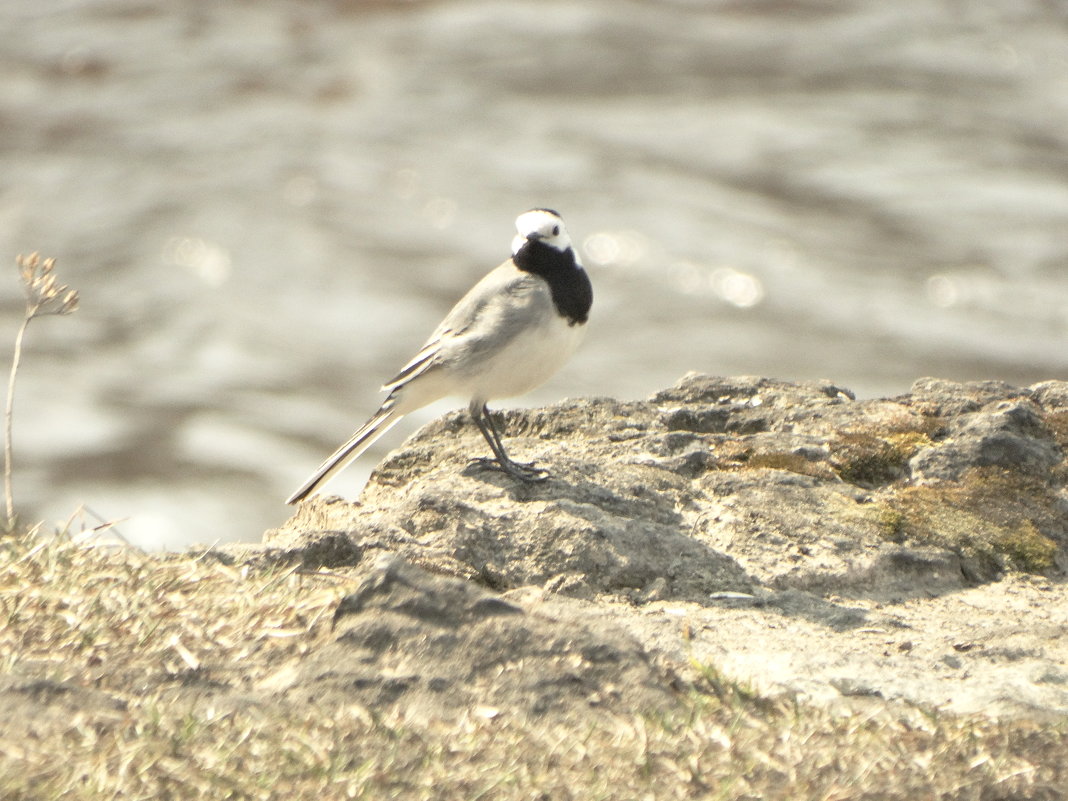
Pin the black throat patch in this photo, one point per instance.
(569, 285)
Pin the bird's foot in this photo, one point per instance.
(521, 471)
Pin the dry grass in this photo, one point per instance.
(109, 616)
(152, 665)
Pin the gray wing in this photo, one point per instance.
(492, 313)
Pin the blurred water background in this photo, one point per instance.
(267, 207)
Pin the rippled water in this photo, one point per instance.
(268, 206)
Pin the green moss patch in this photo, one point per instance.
(873, 458)
(785, 460)
(999, 519)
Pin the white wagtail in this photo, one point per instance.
(510, 333)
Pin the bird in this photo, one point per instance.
(510, 333)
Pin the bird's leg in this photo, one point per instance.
(518, 470)
(496, 432)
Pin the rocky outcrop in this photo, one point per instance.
(442, 645)
(907, 548)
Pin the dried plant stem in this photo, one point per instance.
(44, 295)
(8, 409)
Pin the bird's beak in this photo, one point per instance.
(533, 236)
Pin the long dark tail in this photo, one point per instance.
(383, 420)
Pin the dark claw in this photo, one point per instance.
(518, 470)
(521, 471)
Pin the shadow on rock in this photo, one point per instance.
(434, 646)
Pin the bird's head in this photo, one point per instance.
(540, 225)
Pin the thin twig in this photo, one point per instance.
(8, 410)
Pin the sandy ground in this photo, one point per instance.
(996, 649)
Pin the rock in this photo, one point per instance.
(312, 549)
(436, 646)
(713, 485)
(1051, 395)
(941, 398)
(780, 518)
(1007, 433)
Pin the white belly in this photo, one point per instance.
(528, 361)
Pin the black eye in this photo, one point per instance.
(556, 230)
